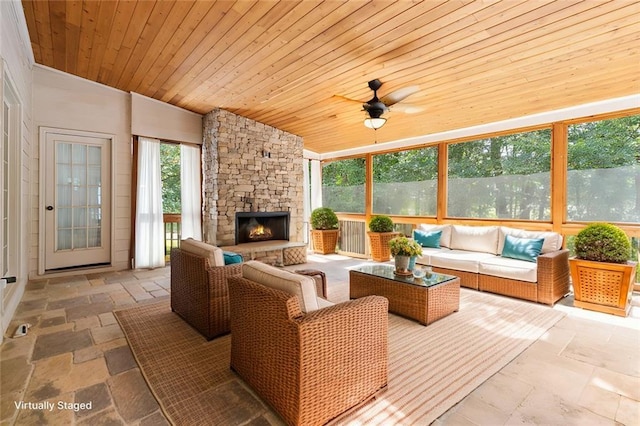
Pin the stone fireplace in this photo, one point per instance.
(261, 226)
(249, 167)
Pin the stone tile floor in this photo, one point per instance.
(585, 370)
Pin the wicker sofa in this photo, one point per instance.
(476, 255)
(199, 291)
(309, 359)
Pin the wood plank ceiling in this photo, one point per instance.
(290, 64)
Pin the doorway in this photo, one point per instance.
(77, 199)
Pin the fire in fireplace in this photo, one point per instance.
(261, 226)
(259, 232)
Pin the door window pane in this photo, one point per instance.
(79, 154)
(94, 155)
(93, 238)
(79, 238)
(64, 239)
(64, 218)
(63, 153)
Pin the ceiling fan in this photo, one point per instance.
(375, 107)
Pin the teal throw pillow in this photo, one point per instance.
(427, 238)
(231, 257)
(522, 248)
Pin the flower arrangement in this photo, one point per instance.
(403, 246)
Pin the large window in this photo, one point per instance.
(503, 177)
(603, 178)
(406, 182)
(343, 185)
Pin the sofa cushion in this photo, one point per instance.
(427, 238)
(202, 249)
(526, 249)
(552, 240)
(425, 258)
(511, 269)
(280, 279)
(445, 238)
(475, 238)
(467, 261)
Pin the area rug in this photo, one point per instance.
(430, 368)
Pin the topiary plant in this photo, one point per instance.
(603, 242)
(381, 223)
(324, 218)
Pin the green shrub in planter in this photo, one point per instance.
(381, 223)
(324, 218)
(603, 242)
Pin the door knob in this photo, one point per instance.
(49, 208)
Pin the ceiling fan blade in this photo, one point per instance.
(407, 109)
(398, 95)
(344, 98)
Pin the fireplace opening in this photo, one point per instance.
(261, 226)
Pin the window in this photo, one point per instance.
(406, 182)
(170, 174)
(10, 185)
(503, 177)
(603, 155)
(343, 185)
(4, 157)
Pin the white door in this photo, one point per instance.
(77, 201)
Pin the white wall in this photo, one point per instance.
(64, 101)
(160, 120)
(15, 67)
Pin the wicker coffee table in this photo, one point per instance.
(423, 300)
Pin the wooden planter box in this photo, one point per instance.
(603, 287)
(324, 241)
(380, 251)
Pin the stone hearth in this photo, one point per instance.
(248, 166)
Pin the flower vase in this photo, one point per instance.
(402, 264)
(412, 262)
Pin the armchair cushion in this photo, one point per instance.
(212, 253)
(294, 284)
(230, 257)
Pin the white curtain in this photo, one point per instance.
(316, 184)
(190, 192)
(306, 205)
(149, 250)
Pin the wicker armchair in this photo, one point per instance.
(199, 292)
(312, 367)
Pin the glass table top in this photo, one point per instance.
(388, 271)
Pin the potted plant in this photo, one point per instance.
(601, 272)
(403, 249)
(324, 233)
(380, 233)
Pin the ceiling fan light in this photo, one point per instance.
(374, 123)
